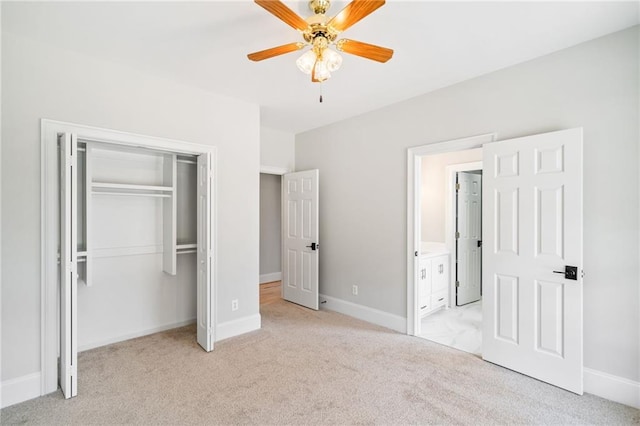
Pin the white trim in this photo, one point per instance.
(129, 336)
(268, 278)
(270, 170)
(238, 326)
(365, 313)
(450, 219)
(20, 389)
(49, 320)
(612, 387)
(414, 168)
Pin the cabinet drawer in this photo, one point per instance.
(439, 299)
(425, 308)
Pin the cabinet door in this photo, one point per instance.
(440, 273)
(424, 284)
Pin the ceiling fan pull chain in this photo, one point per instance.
(320, 92)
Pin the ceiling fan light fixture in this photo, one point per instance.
(321, 71)
(333, 59)
(306, 62)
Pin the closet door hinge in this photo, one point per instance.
(457, 235)
(210, 331)
(457, 187)
(73, 371)
(457, 284)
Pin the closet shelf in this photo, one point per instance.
(126, 186)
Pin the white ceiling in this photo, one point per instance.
(205, 44)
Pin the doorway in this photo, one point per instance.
(270, 237)
(532, 263)
(449, 278)
(60, 187)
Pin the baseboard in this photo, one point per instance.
(612, 387)
(20, 389)
(237, 327)
(146, 332)
(267, 278)
(364, 313)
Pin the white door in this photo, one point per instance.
(204, 254)
(469, 236)
(300, 238)
(68, 264)
(532, 217)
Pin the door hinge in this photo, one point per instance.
(210, 331)
(73, 371)
(457, 187)
(457, 235)
(457, 284)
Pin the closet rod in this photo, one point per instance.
(131, 194)
(186, 251)
(186, 161)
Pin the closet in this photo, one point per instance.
(135, 245)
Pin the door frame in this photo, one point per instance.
(49, 230)
(414, 187)
(450, 219)
(279, 171)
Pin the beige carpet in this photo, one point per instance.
(306, 367)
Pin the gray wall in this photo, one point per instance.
(362, 162)
(270, 237)
(40, 81)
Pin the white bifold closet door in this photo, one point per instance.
(68, 265)
(71, 215)
(204, 257)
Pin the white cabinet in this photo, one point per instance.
(433, 282)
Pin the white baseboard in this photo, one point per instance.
(122, 338)
(20, 389)
(364, 313)
(612, 387)
(267, 278)
(237, 327)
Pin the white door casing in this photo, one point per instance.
(68, 264)
(300, 238)
(469, 229)
(204, 254)
(532, 226)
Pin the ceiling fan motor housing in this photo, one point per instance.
(319, 7)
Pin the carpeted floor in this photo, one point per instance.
(305, 367)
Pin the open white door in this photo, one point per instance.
(204, 259)
(68, 264)
(468, 237)
(300, 238)
(532, 260)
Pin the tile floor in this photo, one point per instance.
(459, 327)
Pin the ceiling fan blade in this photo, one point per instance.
(353, 12)
(280, 10)
(365, 50)
(275, 51)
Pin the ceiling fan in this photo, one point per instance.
(320, 32)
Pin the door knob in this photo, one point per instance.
(313, 246)
(570, 272)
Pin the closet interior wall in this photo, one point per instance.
(137, 235)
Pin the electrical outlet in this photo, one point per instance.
(354, 290)
(234, 305)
